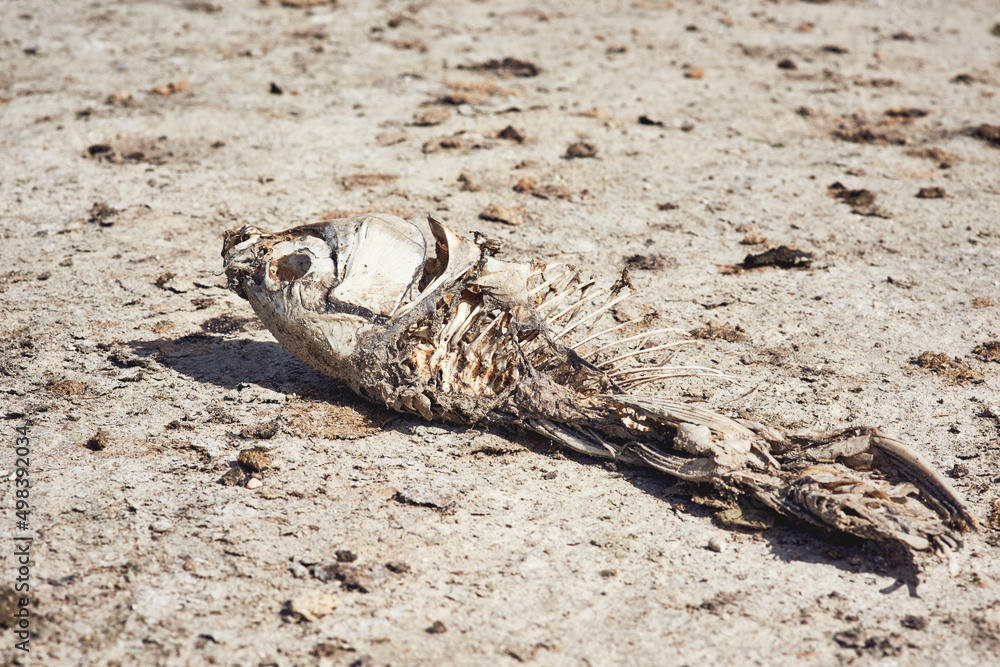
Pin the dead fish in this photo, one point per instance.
(467, 338)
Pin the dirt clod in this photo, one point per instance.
(931, 193)
(98, 442)
(525, 184)
(862, 202)
(227, 324)
(727, 332)
(581, 149)
(66, 388)
(994, 517)
(262, 431)
(102, 214)
(9, 603)
(508, 215)
(254, 459)
(511, 134)
(988, 351)
(172, 87)
(432, 117)
(988, 133)
(651, 262)
(361, 578)
(959, 470)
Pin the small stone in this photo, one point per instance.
(526, 184)
(235, 476)
(717, 544)
(161, 525)
(695, 73)
(932, 193)
(914, 622)
(254, 483)
(437, 627)
(313, 605)
(431, 117)
(390, 138)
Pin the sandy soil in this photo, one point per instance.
(134, 133)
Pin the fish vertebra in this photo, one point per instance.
(467, 338)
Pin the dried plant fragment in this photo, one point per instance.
(944, 158)
(475, 92)
(505, 68)
(952, 369)
(367, 180)
(463, 337)
(862, 202)
(783, 257)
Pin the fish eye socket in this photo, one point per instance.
(291, 267)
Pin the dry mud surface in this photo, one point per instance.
(677, 137)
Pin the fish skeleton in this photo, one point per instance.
(466, 338)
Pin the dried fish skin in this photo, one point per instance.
(465, 337)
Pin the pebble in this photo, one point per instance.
(313, 605)
(254, 483)
(717, 544)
